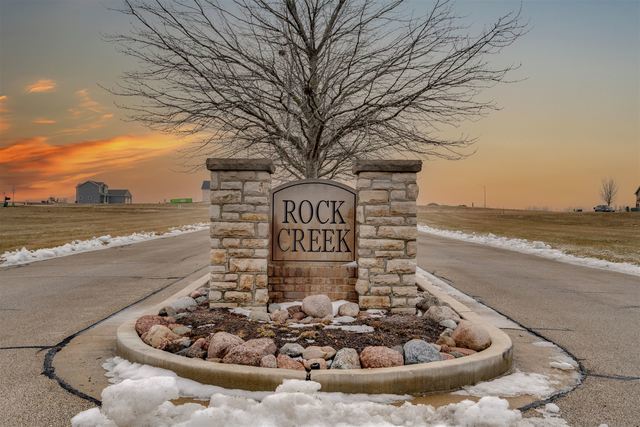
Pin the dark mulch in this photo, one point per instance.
(389, 331)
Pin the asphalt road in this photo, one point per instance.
(595, 314)
(45, 302)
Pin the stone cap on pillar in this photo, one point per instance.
(220, 164)
(362, 165)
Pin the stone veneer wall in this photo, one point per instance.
(239, 215)
(386, 231)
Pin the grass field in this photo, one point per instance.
(611, 236)
(46, 226)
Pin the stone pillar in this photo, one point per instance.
(239, 230)
(387, 230)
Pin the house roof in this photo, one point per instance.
(98, 183)
(637, 191)
(119, 193)
(206, 185)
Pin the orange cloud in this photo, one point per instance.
(39, 169)
(41, 86)
(4, 121)
(88, 113)
(43, 122)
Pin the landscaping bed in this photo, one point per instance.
(313, 334)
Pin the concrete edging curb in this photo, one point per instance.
(409, 379)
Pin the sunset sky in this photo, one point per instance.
(573, 120)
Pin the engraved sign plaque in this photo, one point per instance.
(313, 220)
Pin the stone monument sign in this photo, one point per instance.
(313, 220)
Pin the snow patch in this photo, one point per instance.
(295, 403)
(537, 248)
(544, 344)
(25, 256)
(516, 384)
(358, 329)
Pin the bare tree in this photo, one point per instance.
(608, 190)
(311, 83)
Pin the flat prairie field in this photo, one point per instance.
(45, 226)
(613, 236)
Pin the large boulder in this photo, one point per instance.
(198, 349)
(420, 351)
(470, 335)
(251, 352)
(221, 343)
(292, 349)
(285, 362)
(159, 336)
(181, 304)
(346, 358)
(349, 309)
(317, 306)
(380, 357)
(315, 352)
(144, 323)
(438, 313)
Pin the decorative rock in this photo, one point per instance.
(446, 333)
(446, 356)
(346, 358)
(446, 340)
(292, 349)
(268, 361)
(315, 352)
(251, 352)
(179, 329)
(438, 313)
(273, 307)
(181, 316)
(298, 316)
(470, 335)
(463, 351)
(307, 320)
(309, 364)
(144, 323)
(317, 306)
(380, 357)
(448, 323)
(159, 336)
(427, 301)
(280, 316)
(197, 350)
(399, 348)
(285, 362)
(349, 309)
(420, 351)
(177, 345)
(294, 309)
(200, 292)
(221, 343)
(259, 316)
(202, 299)
(182, 304)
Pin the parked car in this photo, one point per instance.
(603, 208)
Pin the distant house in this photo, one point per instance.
(119, 196)
(638, 198)
(97, 192)
(93, 192)
(206, 191)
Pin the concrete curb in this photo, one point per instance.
(413, 379)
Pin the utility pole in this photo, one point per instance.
(485, 196)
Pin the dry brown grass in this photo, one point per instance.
(36, 227)
(611, 236)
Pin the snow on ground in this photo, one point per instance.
(24, 255)
(143, 400)
(537, 248)
(516, 384)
